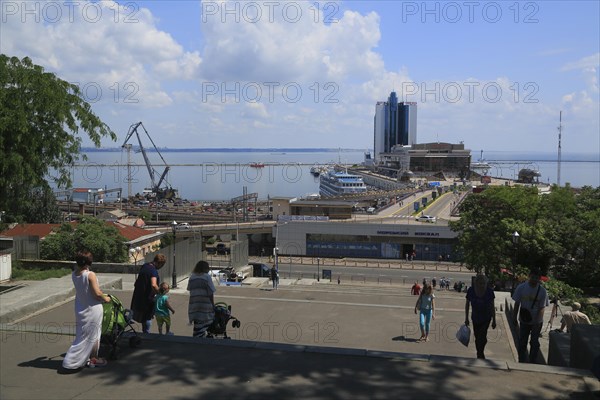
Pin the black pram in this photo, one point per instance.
(219, 324)
(115, 322)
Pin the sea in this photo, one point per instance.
(223, 174)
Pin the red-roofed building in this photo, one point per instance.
(135, 237)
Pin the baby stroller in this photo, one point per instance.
(219, 324)
(115, 322)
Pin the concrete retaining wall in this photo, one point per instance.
(585, 345)
(113, 268)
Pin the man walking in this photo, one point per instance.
(531, 299)
(274, 277)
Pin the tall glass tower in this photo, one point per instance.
(395, 124)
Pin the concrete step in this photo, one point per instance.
(35, 296)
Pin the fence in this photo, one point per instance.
(26, 247)
(362, 279)
(368, 263)
(184, 254)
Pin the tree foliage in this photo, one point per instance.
(558, 232)
(42, 206)
(103, 240)
(40, 117)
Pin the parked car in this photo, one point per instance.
(211, 250)
(426, 218)
(222, 248)
(260, 270)
(183, 226)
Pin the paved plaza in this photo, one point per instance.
(306, 339)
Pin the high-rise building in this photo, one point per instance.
(395, 123)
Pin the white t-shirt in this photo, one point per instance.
(525, 294)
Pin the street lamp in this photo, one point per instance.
(276, 249)
(318, 272)
(515, 240)
(135, 252)
(174, 280)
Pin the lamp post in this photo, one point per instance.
(318, 272)
(174, 280)
(515, 240)
(135, 252)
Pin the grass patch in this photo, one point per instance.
(20, 274)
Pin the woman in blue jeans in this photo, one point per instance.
(426, 306)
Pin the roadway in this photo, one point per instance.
(403, 212)
(387, 275)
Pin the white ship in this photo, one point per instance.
(480, 166)
(338, 183)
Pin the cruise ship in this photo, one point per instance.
(338, 183)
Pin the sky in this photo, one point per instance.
(297, 74)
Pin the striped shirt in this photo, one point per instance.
(200, 308)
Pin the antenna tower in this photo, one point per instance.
(559, 148)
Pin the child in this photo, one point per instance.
(426, 306)
(162, 309)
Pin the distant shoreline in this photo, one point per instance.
(225, 150)
(497, 156)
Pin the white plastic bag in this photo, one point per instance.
(464, 335)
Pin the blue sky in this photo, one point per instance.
(492, 74)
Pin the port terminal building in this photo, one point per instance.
(369, 239)
(426, 159)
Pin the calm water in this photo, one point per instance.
(221, 176)
(224, 174)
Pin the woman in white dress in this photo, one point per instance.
(88, 316)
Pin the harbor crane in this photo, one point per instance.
(157, 191)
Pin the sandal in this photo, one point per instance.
(97, 362)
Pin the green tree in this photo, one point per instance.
(575, 216)
(145, 215)
(103, 240)
(488, 220)
(40, 117)
(559, 232)
(42, 206)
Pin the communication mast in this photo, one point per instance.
(559, 148)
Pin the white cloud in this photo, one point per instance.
(255, 111)
(592, 61)
(289, 50)
(589, 67)
(100, 45)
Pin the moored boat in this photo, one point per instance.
(340, 183)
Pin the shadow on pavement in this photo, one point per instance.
(405, 339)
